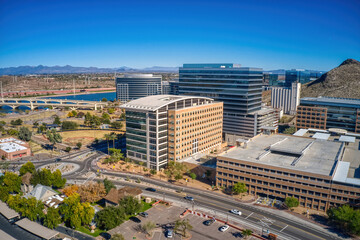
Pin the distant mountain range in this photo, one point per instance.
(23, 70)
(342, 81)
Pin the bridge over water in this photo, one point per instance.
(33, 103)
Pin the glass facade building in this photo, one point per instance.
(134, 86)
(239, 88)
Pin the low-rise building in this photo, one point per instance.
(41, 192)
(12, 148)
(326, 112)
(319, 173)
(115, 195)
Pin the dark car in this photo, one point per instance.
(135, 219)
(209, 222)
(58, 160)
(144, 214)
(189, 198)
(150, 189)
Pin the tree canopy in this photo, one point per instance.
(47, 178)
(291, 202)
(108, 185)
(109, 217)
(52, 218)
(130, 205)
(175, 170)
(25, 134)
(239, 188)
(27, 167)
(69, 125)
(345, 218)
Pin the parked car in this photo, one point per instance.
(135, 219)
(209, 222)
(224, 228)
(235, 211)
(169, 233)
(144, 214)
(58, 160)
(150, 189)
(189, 198)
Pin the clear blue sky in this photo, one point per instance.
(269, 34)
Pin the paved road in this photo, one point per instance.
(252, 214)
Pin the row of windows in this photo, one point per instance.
(278, 172)
(197, 112)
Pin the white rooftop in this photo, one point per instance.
(290, 152)
(155, 102)
(301, 132)
(348, 139)
(11, 147)
(321, 136)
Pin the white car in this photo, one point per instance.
(234, 211)
(224, 228)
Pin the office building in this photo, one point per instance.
(287, 99)
(134, 86)
(301, 75)
(167, 127)
(319, 173)
(12, 148)
(239, 88)
(326, 112)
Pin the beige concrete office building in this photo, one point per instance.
(319, 173)
(164, 128)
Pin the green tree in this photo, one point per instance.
(32, 208)
(246, 233)
(130, 205)
(290, 130)
(75, 213)
(42, 176)
(107, 137)
(67, 149)
(117, 236)
(104, 100)
(182, 226)
(108, 185)
(27, 167)
(193, 176)
(25, 134)
(116, 125)
(12, 182)
(74, 113)
(148, 227)
(52, 218)
(291, 202)
(175, 170)
(53, 137)
(69, 125)
(113, 137)
(12, 132)
(57, 180)
(109, 217)
(153, 171)
(105, 116)
(57, 120)
(78, 145)
(239, 188)
(16, 122)
(345, 218)
(111, 110)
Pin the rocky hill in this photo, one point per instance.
(342, 81)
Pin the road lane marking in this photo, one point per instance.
(249, 215)
(284, 228)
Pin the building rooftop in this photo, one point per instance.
(291, 152)
(40, 191)
(155, 102)
(11, 147)
(138, 75)
(36, 229)
(332, 101)
(7, 212)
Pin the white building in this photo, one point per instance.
(286, 98)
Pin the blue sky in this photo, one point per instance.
(268, 34)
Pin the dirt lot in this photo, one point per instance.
(85, 137)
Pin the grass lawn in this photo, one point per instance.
(87, 231)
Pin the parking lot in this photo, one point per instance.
(165, 217)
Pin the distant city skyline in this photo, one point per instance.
(272, 35)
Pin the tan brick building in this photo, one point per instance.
(162, 128)
(311, 117)
(13, 148)
(320, 174)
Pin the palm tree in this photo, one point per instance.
(113, 138)
(246, 233)
(107, 136)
